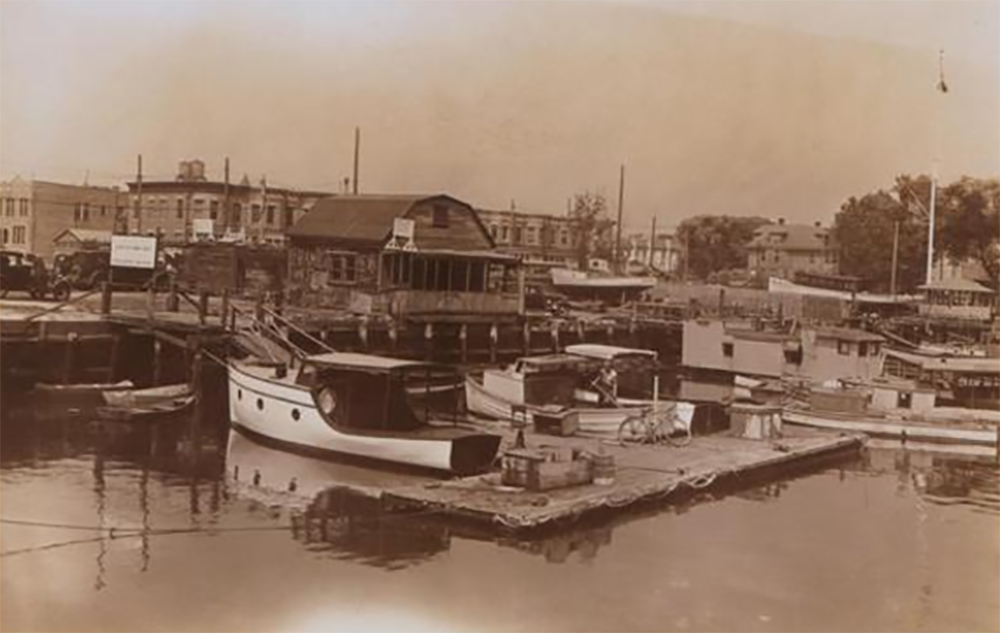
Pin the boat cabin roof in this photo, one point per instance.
(351, 360)
(607, 352)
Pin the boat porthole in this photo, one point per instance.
(239, 394)
(296, 415)
(260, 404)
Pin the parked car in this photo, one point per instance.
(87, 269)
(25, 272)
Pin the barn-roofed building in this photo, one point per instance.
(401, 255)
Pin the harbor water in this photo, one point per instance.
(190, 527)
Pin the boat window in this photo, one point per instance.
(296, 415)
(844, 348)
(307, 375)
(727, 350)
(904, 400)
(369, 401)
(260, 404)
(862, 348)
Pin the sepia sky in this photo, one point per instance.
(770, 108)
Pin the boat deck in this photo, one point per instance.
(643, 474)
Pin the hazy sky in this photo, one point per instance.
(773, 108)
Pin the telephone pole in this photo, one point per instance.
(357, 150)
(618, 231)
(138, 197)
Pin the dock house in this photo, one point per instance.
(400, 255)
(957, 298)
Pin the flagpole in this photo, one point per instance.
(943, 88)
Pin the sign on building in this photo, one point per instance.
(133, 251)
(203, 229)
(402, 235)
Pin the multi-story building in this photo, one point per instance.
(541, 241)
(662, 255)
(33, 212)
(781, 250)
(177, 209)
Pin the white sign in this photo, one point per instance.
(133, 251)
(403, 227)
(203, 229)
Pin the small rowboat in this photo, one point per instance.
(155, 404)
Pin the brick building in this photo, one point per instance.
(781, 250)
(34, 212)
(245, 211)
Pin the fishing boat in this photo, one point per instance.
(893, 408)
(153, 404)
(342, 404)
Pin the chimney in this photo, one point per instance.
(183, 171)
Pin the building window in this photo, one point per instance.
(439, 216)
(24, 207)
(727, 350)
(563, 238)
(237, 213)
(531, 236)
(86, 211)
(493, 231)
(844, 348)
(255, 213)
(863, 349)
(213, 210)
(180, 208)
(18, 235)
(270, 214)
(289, 217)
(343, 267)
(504, 234)
(6, 235)
(517, 235)
(874, 348)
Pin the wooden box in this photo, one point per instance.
(562, 423)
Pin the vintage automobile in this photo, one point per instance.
(26, 272)
(87, 269)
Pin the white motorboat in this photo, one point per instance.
(554, 386)
(358, 405)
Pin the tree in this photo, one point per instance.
(713, 243)
(863, 231)
(593, 228)
(968, 226)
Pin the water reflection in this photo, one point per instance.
(191, 501)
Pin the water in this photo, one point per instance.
(897, 540)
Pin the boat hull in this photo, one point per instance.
(879, 427)
(596, 421)
(286, 415)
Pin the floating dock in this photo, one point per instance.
(643, 474)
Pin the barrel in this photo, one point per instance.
(604, 470)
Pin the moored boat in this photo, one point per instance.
(354, 405)
(892, 408)
(153, 404)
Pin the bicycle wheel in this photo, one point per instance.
(634, 429)
(678, 437)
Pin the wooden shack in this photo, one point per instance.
(400, 255)
(241, 269)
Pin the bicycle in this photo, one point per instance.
(654, 425)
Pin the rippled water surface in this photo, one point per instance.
(897, 540)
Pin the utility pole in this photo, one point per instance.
(618, 231)
(652, 241)
(226, 213)
(357, 150)
(138, 197)
(895, 259)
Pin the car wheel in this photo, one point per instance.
(61, 292)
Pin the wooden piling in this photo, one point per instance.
(173, 299)
(202, 306)
(69, 357)
(157, 361)
(494, 338)
(463, 337)
(224, 316)
(106, 297)
(113, 360)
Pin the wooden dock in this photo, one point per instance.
(644, 474)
